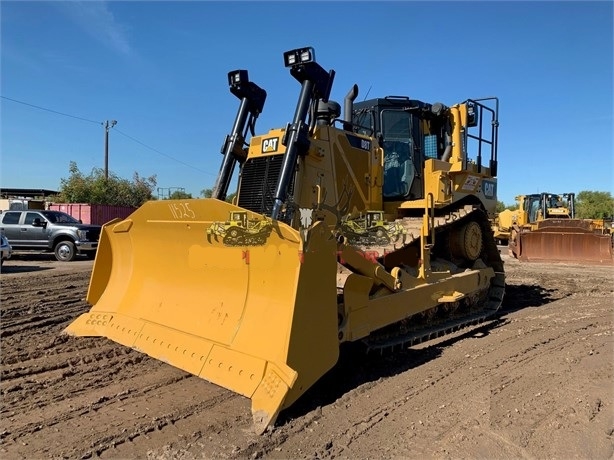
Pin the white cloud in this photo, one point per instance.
(97, 20)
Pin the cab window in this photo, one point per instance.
(363, 123)
(11, 218)
(30, 216)
(398, 151)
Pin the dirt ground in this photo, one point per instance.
(536, 382)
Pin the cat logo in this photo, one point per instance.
(269, 145)
(489, 189)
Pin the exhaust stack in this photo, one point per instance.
(348, 107)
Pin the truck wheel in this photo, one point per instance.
(65, 251)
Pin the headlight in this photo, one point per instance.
(306, 55)
(82, 234)
(299, 56)
(237, 77)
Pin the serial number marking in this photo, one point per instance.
(181, 211)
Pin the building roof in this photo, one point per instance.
(26, 192)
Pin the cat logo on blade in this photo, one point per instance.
(270, 145)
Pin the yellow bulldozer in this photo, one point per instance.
(544, 228)
(372, 227)
(532, 209)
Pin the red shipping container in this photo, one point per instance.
(97, 214)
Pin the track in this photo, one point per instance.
(441, 321)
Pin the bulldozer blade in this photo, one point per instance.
(563, 240)
(257, 319)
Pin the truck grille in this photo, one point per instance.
(92, 234)
(259, 178)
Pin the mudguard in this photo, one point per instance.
(257, 319)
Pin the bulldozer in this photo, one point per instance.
(545, 229)
(372, 228)
(532, 209)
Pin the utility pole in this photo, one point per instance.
(107, 124)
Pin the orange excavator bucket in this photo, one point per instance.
(562, 240)
(257, 316)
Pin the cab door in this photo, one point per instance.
(11, 228)
(35, 230)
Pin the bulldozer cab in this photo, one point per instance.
(374, 218)
(541, 206)
(240, 217)
(400, 134)
(558, 206)
(412, 132)
(532, 205)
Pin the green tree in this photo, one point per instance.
(500, 206)
(208, 193)
(95, 188)
(180, 195)
(594, 205)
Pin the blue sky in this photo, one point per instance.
(159, 69)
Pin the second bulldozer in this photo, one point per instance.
(532, 209)
(370, 228)
(544, 228)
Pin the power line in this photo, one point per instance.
(161, 153)
(117, 130)
(52, 111)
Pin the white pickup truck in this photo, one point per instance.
(50, 231)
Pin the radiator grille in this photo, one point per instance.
(92, 234)
(259, 178)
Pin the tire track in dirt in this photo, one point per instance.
(113, 419)
(29, 311)
(567, 343)
(54, 384)
(338, 439)
(53, 401)
(445, 420)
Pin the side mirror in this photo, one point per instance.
(37, 222)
